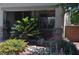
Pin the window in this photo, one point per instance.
(22, 14)
(47, 13)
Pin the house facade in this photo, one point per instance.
(13, 11)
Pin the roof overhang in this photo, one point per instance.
(26, 6)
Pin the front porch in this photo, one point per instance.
(42, 13)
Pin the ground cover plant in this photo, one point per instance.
(12, 46)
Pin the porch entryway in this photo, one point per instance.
(50, 21)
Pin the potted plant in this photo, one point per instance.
(72, 31)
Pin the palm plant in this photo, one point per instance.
(27, 25)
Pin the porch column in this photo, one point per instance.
(58, 22)
(1, 24)
(58, 17)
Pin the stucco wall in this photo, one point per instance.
(1, 24)
(1, 17)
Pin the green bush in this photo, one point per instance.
(75, 16)
(26, 25)
(61, 47)
(12, 46)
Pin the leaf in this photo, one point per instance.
(25, 19)
(18, 21)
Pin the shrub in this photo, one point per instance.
(12, 46)
(75, 16)
(61, 47)
(26, 25)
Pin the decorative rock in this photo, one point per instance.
(36, 50)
